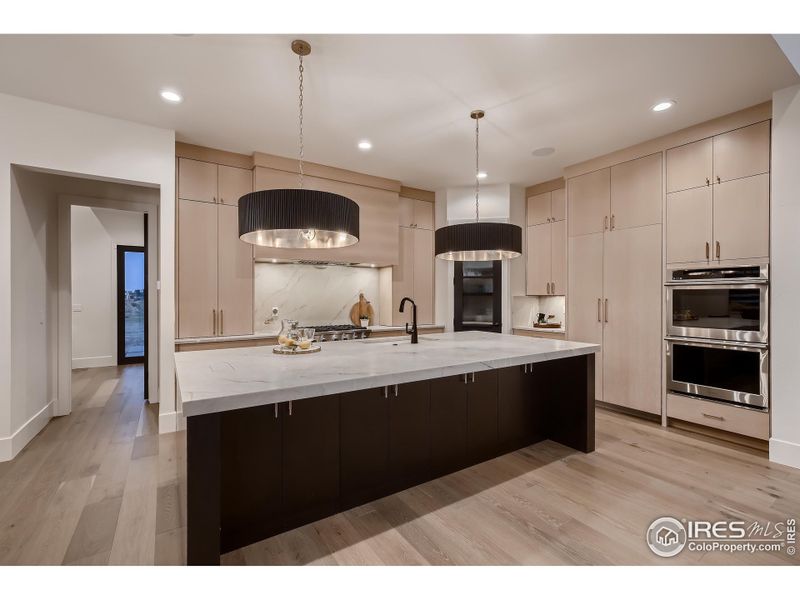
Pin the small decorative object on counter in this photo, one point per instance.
(362, 310)
(296, 340)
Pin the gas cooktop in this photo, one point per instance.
(333, 333)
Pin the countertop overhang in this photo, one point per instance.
(211, 381)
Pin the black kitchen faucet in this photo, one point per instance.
(413, 332)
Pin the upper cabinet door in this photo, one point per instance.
(558, 278)
(689, 225)
(588, 202)
(558, 205)
(197, 269)
(539, 259)
(403, 276)
(235, 264)
(741, 218)
(636, 192)
(233, 184)
(197, 180)
(423, 214)
(406, 212)
(423, 274)
(689, 166)
(742, 152)
(539, 210)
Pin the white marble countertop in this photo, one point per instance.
(264, 335)
(212, 381)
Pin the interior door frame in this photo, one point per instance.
(121, 358)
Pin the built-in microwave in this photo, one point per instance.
(726, 371)
(719, 303)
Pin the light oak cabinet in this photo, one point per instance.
(589, 202)
(742, 152)
(546, 207)
(724, 221)
(209, 182)
(632, 318)
(546, 259)
(636, 192)
(415, 213)
(215, 272)
(413, 275)
(690, 166)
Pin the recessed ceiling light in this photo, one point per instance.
(364, 145)
(171, 96)
(666, 104)
(544, 151)
(482, 174)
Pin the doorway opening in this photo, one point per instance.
(131, 305)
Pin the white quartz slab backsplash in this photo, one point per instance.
(525, 308)
(312, 295)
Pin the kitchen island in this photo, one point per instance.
(274, 442)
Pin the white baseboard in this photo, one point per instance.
(12, 445)
(90, 362)
(169, 422)
(785, 453)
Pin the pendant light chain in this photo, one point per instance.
(477, 179)
(301, 121)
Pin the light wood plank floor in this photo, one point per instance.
(101, 487)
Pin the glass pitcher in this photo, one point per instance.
(289, 333)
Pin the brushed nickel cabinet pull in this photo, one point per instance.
(276, 410)
(599, 319)
(612, 221)
(221, 322)
(718, 179)
(708, 250)
(605, 222)
(552, 287)
(395, 390)
(708, 181)
(386, 391)
(290, 408)
(465, 378)
(214, 319)
(715, 417)
(717, 250)
(605, 312)
(473, 377)
(524, 368)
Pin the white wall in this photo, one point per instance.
(784, 444)
(494, 203)
(96, 233)
(58, 139)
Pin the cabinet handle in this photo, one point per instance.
(599, 319)
(276, 409)
(605, 312)
(708, 181)
(708, 250)
(221, 322)
(386, 391)
(605, 222)
(524, 368)
(715, 417)
(214, 198)
(290, 408)
(465, 378)
(214, 319)
(552, 287)
(717, 250)
(395, 390)
(718, 179)
(473, 377)
(612, 221)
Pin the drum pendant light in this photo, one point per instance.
(478, 241)
(298, 218)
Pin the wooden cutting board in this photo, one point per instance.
(362, 307)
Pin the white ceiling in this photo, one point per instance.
(410, 95)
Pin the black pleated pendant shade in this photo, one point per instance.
(479, 241)
(297, 218)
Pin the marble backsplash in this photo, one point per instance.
(312, 295)
(524, 309)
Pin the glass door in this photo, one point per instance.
(477, 296)
(131, 304)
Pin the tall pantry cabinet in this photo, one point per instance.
(413, 275)
(546, 235)
(215, 268)
(615, 266)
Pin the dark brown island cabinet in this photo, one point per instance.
(255, 472)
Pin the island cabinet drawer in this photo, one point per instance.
(744, 421)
